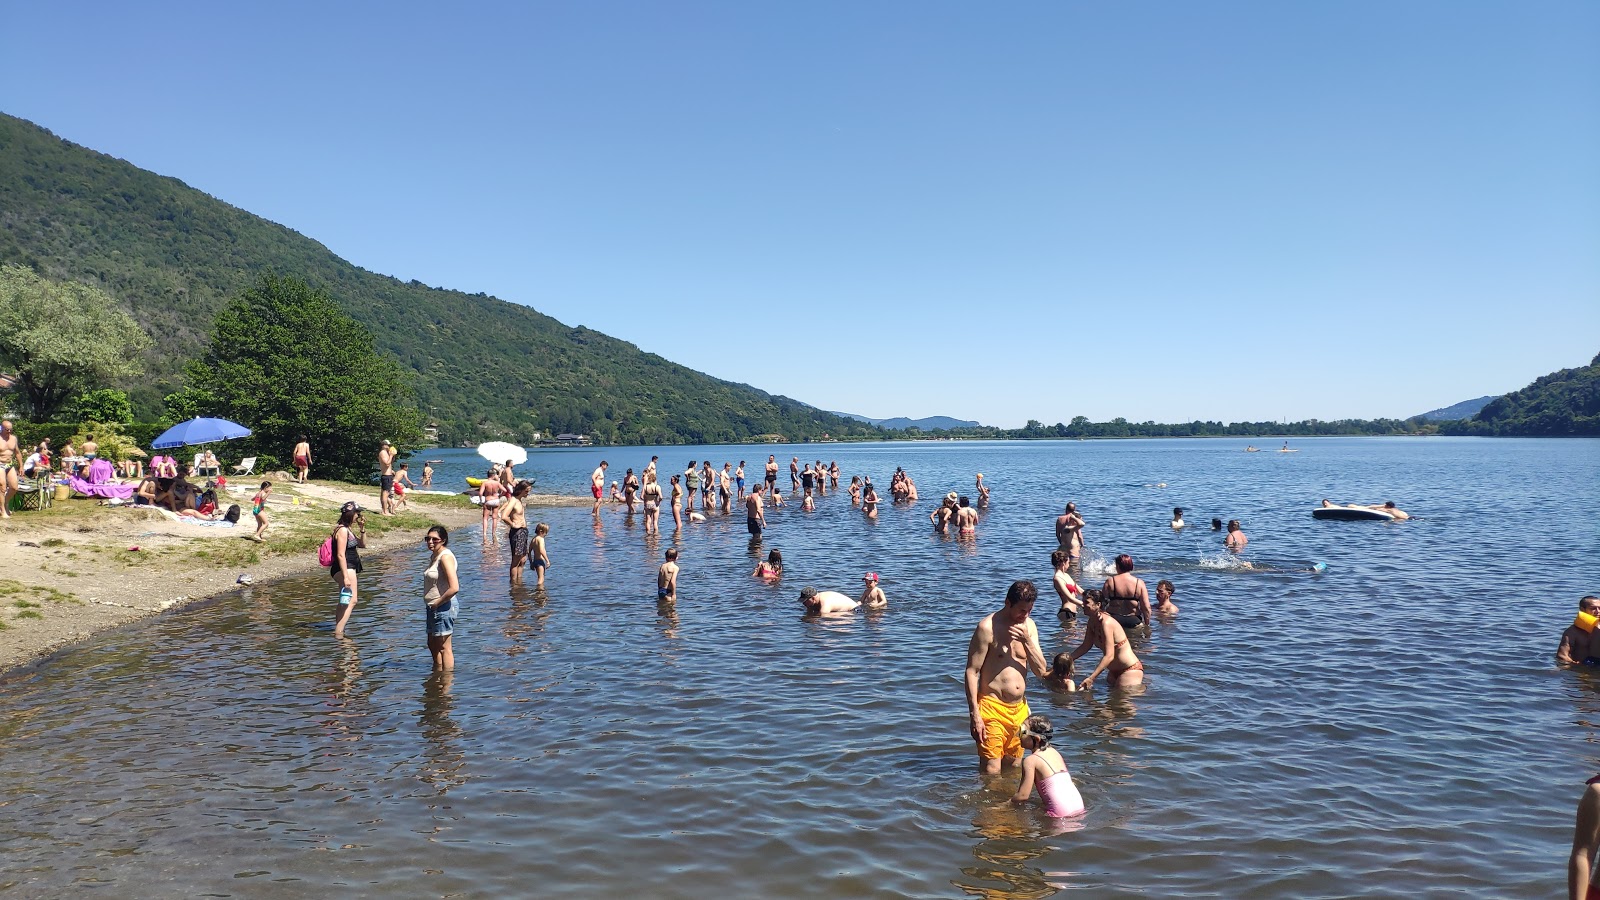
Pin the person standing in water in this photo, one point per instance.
(755, 519)
(677, 494)
(1069, 532)
(597, 485)
(516, 518)
(1003, 649)
(1117, 659)
(540, 558)
(966, 518)
(1164, 605)
(871, 594)
(667, 578)
(1067, 589)
(772, 472)
(1578, 645)
(1177, 518)
(1126, 596)
(439, 589)
(346, 561)
(983, 492)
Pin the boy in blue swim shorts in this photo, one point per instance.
(667, 578)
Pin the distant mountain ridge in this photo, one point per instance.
(901, 423)
(1466, 409)
(1561, 404)
(173, 256)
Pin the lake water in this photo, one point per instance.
(1394, 727)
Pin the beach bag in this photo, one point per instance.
(232, 514)
(325, 553)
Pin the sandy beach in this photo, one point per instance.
(80, 568)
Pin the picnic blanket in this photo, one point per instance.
(105, 491)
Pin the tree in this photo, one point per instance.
(103, 405)
(62, 338)
(285, 361)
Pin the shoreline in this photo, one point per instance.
(79, 568)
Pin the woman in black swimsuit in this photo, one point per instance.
(1127, 598)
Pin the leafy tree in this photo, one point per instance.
(187, 403)
(284, 361)
(62, 338)
(103, 405)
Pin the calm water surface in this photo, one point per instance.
(1394, 727)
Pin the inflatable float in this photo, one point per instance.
(473, 482)
(1351, 514)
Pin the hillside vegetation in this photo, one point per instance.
(481, 367)
(1561, 404)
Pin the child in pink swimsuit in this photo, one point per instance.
(1044, 767)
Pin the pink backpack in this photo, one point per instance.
(325, 552)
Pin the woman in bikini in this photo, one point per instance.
(1127, 598)
(652, 507)
(1117, 660)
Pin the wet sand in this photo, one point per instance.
(71, 571)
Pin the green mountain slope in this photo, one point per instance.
(172, 256)
(1561, 404)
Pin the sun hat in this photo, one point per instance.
(952, 497)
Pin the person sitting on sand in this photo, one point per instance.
(1164, 605)
(1045, 769)
(871, 595)
(1060, 675)
(772, 568)
(825, 603)
(1578, 645)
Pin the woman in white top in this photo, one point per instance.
(439, 587)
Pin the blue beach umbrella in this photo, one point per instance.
(199, 431)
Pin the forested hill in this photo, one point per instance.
(1561, 404)
(173, 256)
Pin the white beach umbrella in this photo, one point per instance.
(500, 451)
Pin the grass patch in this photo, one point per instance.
(30, 595)
(52, 542)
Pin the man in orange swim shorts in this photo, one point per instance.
(1005, 645)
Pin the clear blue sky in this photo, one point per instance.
(1160, 211)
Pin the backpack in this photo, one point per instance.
(232, 514)
(325, 553)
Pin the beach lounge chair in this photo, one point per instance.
(246, 466)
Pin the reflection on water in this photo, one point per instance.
(1297, 733)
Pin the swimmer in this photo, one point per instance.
(771, 569)
(1578, 645)
(1060, 677)
(1177, 518)
(825, 603)
(1236, 539)
(1164, 605)
(871, 595)
(1216, 524)
(691, 481)
(677, 495)
(808, 505)
(1388, 506)
(855, 490)
(667, 578)
(1066, 589)
(833, 475)
(983, 492)
(1047, 771)
(869, 500)
(1003, 649)
(515, 518)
